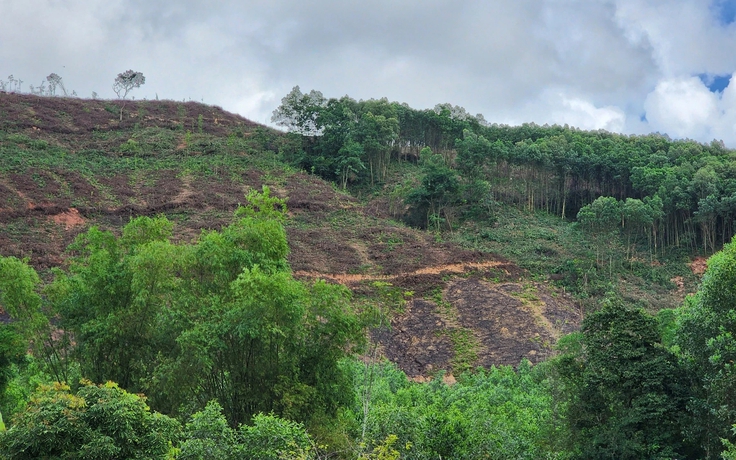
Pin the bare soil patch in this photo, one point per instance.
(69, 219)
(699, 265)
(413, 343)
(508, 328)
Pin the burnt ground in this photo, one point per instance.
(331, 234)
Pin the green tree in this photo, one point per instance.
(350, 162)
(98, 422)
(221, 319)
(625, 393)
(209, 437)
(438, 192)
(377, 134)
(602, 218)
(637, 218)
(706, 338)
(20, 297)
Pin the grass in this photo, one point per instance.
(465, 346)
(550, 247)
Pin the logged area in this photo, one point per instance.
(69, 165)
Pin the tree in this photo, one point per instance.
(54, 82)
(637, 217)
(437, 193)
(602, 218)
(299, 112)
(208, 436)
(707, 338)
(221, 319)
(625, 393)
(349, 163)
(20, 298)
(377, 134)
(124, 83)
(98, 422)
(474, 154)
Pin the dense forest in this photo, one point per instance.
(676, 193)
(147, 344)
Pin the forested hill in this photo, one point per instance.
(689, 189)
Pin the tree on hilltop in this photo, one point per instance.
(124, 83)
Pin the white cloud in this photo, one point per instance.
(588, 63)
(559, 107)
(687, 107)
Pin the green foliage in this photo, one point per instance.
(730, 452)
(273, 438)
(494, 413)
(438, 192)
(98, 422)
(263, 206)
(208, 436)
(12, 353)
(624, 393)
(384, 450)
(707, 325)
(221, 319)
(601, 216)
(690, 187)
(20, 298)
(18, 285)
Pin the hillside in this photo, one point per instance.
(69, 164)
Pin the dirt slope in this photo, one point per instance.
(466, 308)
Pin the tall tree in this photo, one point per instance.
(299, 112)
(625, 392)
(706, 336)
(124, 83)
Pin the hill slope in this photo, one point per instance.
(68, 164)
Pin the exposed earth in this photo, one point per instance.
(457, 301)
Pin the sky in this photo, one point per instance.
(630, 66)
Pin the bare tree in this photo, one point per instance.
(11, 86)
(40, 90)
(54, 82)
(124, 83)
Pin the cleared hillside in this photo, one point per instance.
(68, 164)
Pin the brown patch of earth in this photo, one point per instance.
(509, 322)
(699, 265)
(69, 219)
(413, 342)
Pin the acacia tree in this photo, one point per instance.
(439, 191)
(54, 82)
(124, 83)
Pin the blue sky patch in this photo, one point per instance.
(715, 83)
(725, 11)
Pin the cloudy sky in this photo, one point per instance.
(632, 66)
